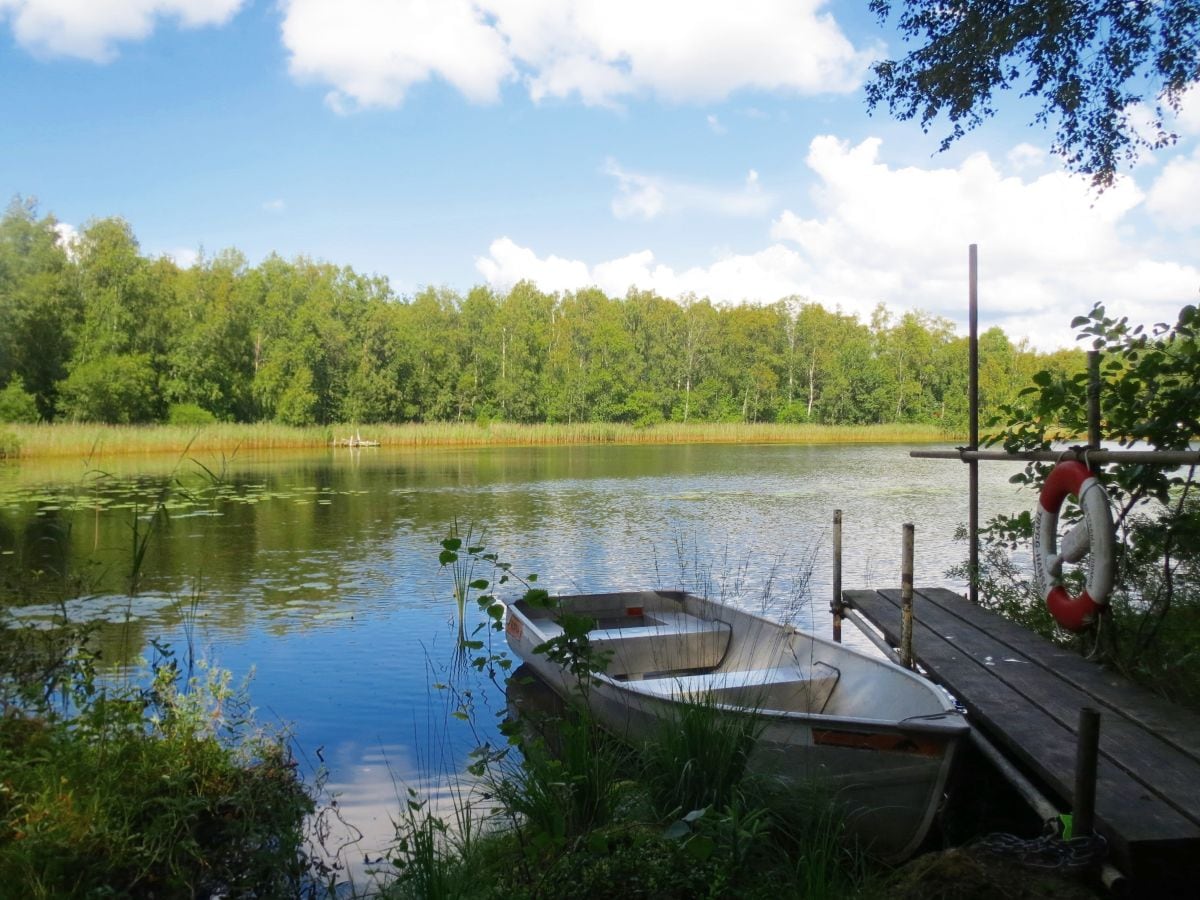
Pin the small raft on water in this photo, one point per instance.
(879, 736)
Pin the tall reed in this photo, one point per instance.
(73, 439)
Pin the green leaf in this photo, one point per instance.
(452, 543)
(479, 584)
(700, 847)
(447, 556)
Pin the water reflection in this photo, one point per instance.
(319, 571)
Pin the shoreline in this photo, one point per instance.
(92, 440)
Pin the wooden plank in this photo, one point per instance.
(1154, 763)
(1129, 815)
(1178, 727)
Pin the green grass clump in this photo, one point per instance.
(583, 814)
(162, 792)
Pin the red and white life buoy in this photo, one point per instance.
(1095, 532)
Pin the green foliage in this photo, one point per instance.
(1096, 68)
(10, 445)
(161, 792)
(17, 404)
(189, 414)
(1150, 396)
(698, 757)
(118, 390)
(306, 343)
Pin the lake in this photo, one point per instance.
(319, 571)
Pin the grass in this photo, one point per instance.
(582, 813)
(70, 439)
(161, 792)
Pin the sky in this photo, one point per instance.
(681, 146)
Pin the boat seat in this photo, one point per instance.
(672, 642)
(805, 689)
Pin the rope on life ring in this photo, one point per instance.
(1095, 532)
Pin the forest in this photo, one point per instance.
(92, 330)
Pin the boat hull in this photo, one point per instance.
(886, 773)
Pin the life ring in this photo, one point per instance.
(1094, 533)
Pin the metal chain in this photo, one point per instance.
(1049, 851)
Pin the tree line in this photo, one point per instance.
(96, 331)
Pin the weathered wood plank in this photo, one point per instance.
(1156, 764)
(1178, 727)
(1129, 814)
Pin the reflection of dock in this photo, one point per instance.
(1024, 694)
(355, 441)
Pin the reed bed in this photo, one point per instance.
(56, 440)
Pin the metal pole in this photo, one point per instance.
(836, 601)
(1086, 752)
(1093, 398)
(906, 597)
(1166, 458)
(973, 437)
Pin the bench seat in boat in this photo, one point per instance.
(667, 642)
(792, 688)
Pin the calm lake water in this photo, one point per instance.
(319, 571)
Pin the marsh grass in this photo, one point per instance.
(74, 439)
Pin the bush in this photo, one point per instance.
(147, 793)
(118, 390)
(17, 404)
(10, 444)
(189, 414)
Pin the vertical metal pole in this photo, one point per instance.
(836, 601)
(1093, 398)
(973, 434)
(906, 597)
(1087, 749)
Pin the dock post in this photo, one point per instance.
(906, 597)
(835, 603)
(1093, 399)
(973, 422)
(1087, 749)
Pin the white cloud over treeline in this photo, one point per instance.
(1049, 247)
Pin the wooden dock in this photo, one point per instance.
(1024, 694)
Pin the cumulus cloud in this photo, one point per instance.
(372, 51)
(644, 196)
(1049, 248)
(715, 124)
(91, 29)
(1175, 196)
(1026, 156)
(68, 238)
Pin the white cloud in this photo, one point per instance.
(1026, 156)
(373, 51)
(184, 257)
(90, 29)
(715, 124)
(1175, 195)
(276, 205)
(1049, 248)
(1188, 119)
(649, 196)
(68, 236)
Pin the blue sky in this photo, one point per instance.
(713, 148)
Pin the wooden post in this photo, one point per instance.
(835, 604)
(1093, 398)
(1087, 749)
(906, 597)
(973, 424)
